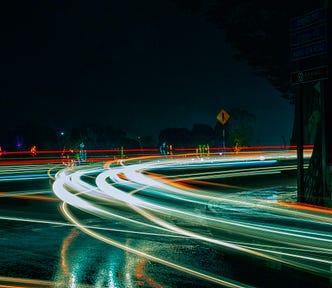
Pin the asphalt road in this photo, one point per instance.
(161, 223)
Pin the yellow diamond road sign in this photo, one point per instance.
(223, 116)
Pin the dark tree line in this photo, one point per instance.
(49, 138)
(239, 131)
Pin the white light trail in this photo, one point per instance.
(128, 186)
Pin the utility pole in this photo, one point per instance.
(308, 41)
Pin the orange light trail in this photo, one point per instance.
(65, 244)
(34, 282)
(307, 207)
(29, 197)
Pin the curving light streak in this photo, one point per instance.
(135, 202)
(59, 187)
(126, 185)
(241, 248)
(27, 172)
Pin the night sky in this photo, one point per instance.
(138, 65)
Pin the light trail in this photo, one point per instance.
(24, 177)
(133, 184)
(181, 193)
(23, 193)
(24, 281)
(124, 231)
(74, 200)
(27, 172)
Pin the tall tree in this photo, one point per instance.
(259, 31)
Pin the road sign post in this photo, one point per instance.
(223, 117)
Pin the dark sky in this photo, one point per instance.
(138, 65)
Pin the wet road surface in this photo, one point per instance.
(41, 247)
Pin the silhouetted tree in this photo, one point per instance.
(202, 134)
(147, 142)
(259, 32)
(178, 137)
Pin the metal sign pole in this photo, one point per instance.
(223, 137)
